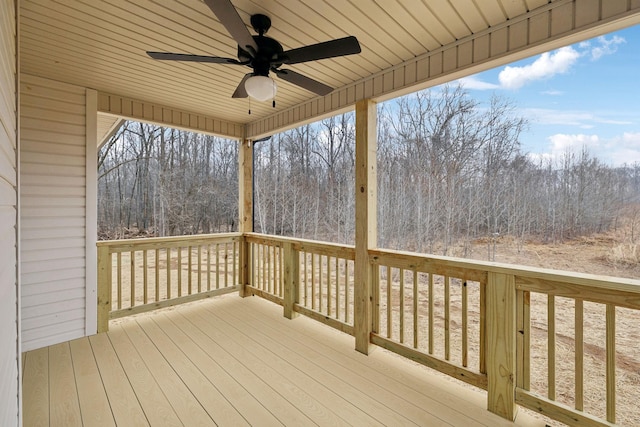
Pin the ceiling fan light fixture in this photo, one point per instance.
(261, 88)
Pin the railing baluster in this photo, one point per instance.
(217, 266)
(306, 279)
(415, 309)
(611, 362)
(375, 296)
(168, 252)
(320, 259)
(280, 263)
(465, 326)
(199, 275)
(157, 274)
(179, 271)
(226, 265)
(313, 281)
(523, 339)
(579, 354)
(389, 306)
(346, 295)
(190, 278)
(235, 263)
(208, 267)
(255, 264)
(328, 286)
(119, 271)
(551, 347)
(401, 305)
(337, 288)
(145, 276)
(263, 274)
(447, 319)
(132, 291)
(431, 316)
(482, 361)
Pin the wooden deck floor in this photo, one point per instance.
(232, 361)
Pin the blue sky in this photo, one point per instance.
(583, 95)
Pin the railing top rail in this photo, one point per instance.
(299, 242)
(380, 256)
(152, 242)
(541, 274)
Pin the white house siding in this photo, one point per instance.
(9, 392)
(52, 211)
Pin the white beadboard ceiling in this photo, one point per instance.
(101, 44)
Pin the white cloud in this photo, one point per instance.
(616, 151)
(552, 92)
(606, 46)
(582, 119)
(472, 82)
(625, 149)
(546, 66)
(562, 143)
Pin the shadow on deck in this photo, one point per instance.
(233, 361)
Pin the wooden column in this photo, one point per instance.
(245, 210)
(366, 219)
(501, 345)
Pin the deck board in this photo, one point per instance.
(35, 384)
(122, 397)
(234, 361)
(190, 412)
(63, 395)
(154, 403)
(94, 405)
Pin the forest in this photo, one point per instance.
(451, 171)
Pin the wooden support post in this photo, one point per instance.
(104, 288)
(501, 345)
(291, 279)
(366, 220)
(245, 211)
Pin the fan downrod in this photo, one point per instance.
(260, 23)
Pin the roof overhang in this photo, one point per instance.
(406, 46)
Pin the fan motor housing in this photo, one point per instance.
(269, 55)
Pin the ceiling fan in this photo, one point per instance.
(263, 54)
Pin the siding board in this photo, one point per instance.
(9, 337)
(53, 212)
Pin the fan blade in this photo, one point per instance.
(166, 56)
(304, 82)
(241, 92)
(228, 16)
(339, 47)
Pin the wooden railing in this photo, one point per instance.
(528, 336)
(139, 275)
(308, 277)
(518, 332)
(431, 313)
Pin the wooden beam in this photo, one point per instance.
(145, 111)
(501, 345)
(366, 221)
